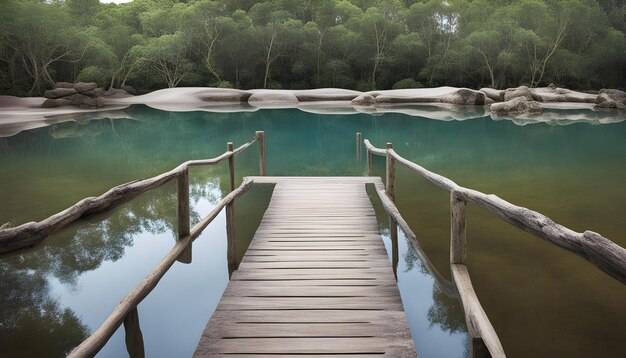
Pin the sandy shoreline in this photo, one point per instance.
(442, 103)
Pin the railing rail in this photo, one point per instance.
(32, 233)
(600, 251)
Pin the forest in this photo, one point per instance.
(296, 44)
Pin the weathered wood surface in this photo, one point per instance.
(316, 280)
(30, 234)
(478, 324)
(595, 248)
(92, 345)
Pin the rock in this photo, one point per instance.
(516, 106)
(63, 85)
(54, 103)
(49, 103)
(83, 87)
(604, 101)
(84, 101)
(548, 94)
(59, 92)
(129, 89)
(489, 101)
(117, 93)
(521, 91)
(611, 98)
(273, 97)
(456, 96)
(467, 96)
(326, 94)
(552, 85)
(494, 94)
(223, 95)
(99, 92)
(364, 99)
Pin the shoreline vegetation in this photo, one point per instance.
(364, 45)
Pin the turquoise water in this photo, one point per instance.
(58, 292)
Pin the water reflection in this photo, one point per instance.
(518, 279)
(29, 311)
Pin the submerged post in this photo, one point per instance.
(393, 234)
(369, 162)
(133, 335)
(231, 165)
(231, 250)
(458, 253)
(261, 137)
(183, 213)
(359, 144)
(390, 183)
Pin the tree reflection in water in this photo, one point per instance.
(28, 312)
(446, 310)
(31, 322)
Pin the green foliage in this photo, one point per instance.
(96, 74)
(407, 83)
(359, 44)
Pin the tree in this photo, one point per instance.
(166, 55)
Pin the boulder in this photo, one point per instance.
(556, 94)
(494, 94)
(604, 101)
(117, 93)
(63, 85)
(83, 87)
(223, 95)
(54, 103)
(326, 94)
(521, 91)
(99, 92)
(129, 89)
(611, 98)
(489, 101)
(84, 101)
(516, 106)
(466, 96)
(455, 96)
(273, 97)
(59, 92)
(364, 99)
(49, 103)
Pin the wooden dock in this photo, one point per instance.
(316, 280)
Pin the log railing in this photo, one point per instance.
(126, 311)
(32, 233)
(600, 251)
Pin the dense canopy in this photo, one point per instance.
(357, 44)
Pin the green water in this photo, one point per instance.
(542, 300)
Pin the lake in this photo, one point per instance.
(543, 301)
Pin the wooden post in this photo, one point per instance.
(183, 213)
(369, 163)
(231, 251)
(134, 338)
(261, 138)
(458, 253)
(359, 143)
(393, 234)
(390, 183)
(231, 166)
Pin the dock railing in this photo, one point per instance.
(125, 312)
(600, 251)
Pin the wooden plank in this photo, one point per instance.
(316, 280)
